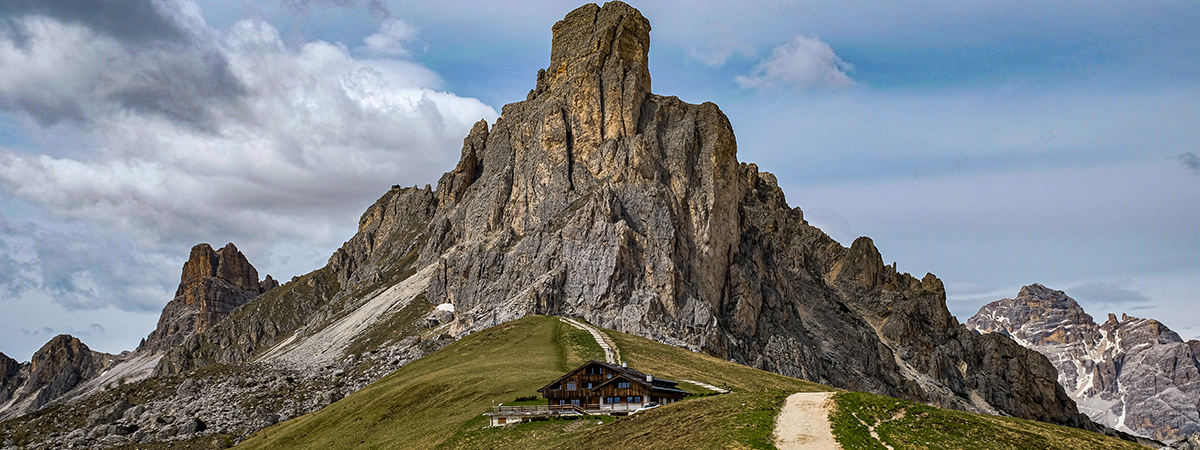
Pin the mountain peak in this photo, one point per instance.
(213, 284)
(61, 364)
(228, 264)
(1038, 315)
(595, 198)
(1036, 295)
(600, 37)
(1115, 371)
(599, 65)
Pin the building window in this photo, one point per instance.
(570, 386)
(556, 386)
(562, 402)
(623, 384)
(575, 401)
(593, 370)
(589, 385)
(633, 399)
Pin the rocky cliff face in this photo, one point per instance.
(596, 198)
(56, 368)
(592, 198)
(212, 285)
(1132, 374)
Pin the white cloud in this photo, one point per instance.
(62, 71)
(804, 63)
(143, 149)
(392, 36)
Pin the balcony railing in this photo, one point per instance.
(548, 410)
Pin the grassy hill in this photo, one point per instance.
(436, 402)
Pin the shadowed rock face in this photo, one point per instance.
(212, 285)
(1131, 374)
(56, 368)
(10, 380)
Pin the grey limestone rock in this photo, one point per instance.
(1133, 374)
(598, 199)
(212, 285)
(108, 413)
(189, 387)
(1190, 442)
(61, 364)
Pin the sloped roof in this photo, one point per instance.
(620, 372)
(642, 381)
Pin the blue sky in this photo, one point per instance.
(994, 145)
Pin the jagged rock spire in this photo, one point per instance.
(212, 285)
(598, 59)
(227, 264)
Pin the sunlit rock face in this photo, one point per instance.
(1132, 374)
(596, 198)
(213, 284)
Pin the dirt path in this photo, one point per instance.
(611, 354)
(804, 423)
(708, 386)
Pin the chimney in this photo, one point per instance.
(649, 378)
(623, 364)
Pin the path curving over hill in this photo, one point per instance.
(611, 354)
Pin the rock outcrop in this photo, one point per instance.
(596, 198)
(212, 285)
(1132, 374)
(56, 368)
(388, 235)
(592, 198)
(1191, 442)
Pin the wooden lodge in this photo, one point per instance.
(596, 387)
(602, 386)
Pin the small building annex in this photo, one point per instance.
(608, 387)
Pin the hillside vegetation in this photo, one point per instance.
(437, 402)
(906, 425)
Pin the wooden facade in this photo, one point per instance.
(598, 385)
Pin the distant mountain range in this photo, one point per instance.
(1132, 374)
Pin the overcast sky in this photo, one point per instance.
(994, 144)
